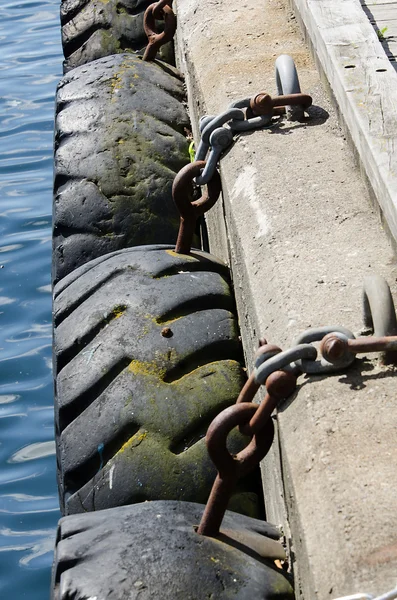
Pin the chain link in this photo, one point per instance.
(157, 39)
(219, 140)
(319, 367)
(283, 361)
(278, 371)
(247, 114)
(302, 357)
(236, 121)
(338, 347)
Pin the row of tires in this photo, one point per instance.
(146, 341)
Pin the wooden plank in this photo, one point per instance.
(364, 84)
(380, 3)
(382, 11)
(383, 18)
(391, 30)
(390, 47)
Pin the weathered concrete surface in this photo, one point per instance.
(300, 236)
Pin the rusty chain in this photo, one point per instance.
(190, 210)
(338, 347)
(158, 10)
(217, 132)
(278, 371)
(231, 468)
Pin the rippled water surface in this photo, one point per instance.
(30, 66)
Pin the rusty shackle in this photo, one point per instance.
(155, 39)
(190, 210)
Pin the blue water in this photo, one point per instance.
(30, 66)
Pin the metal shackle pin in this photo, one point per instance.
(335, 346)
(264, 104)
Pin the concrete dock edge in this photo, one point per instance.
(298, 229)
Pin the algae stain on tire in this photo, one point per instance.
(116, 155)
(150, 398)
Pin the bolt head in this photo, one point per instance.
(166, 332)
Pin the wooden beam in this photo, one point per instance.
(364, 84)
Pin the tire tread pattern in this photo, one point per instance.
(132, 404)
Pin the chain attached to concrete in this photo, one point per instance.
(158, 10)
(231, 468)
(217, 133)
(246, 114)
(278, 371)
(319, 367)
(338, 349)
(338, 345)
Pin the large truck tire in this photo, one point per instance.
(146, 354)
(92, 29)
(119, 141)
(151, 551)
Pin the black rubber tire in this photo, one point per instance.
(146, 354)
(92, 29)
(151, 551)
(119, 141)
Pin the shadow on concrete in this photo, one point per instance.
(355, 377)
(317, 116)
